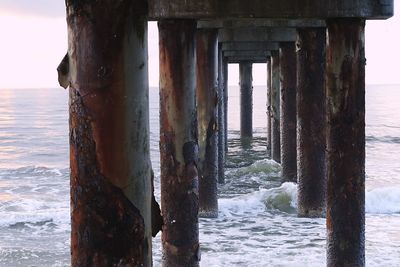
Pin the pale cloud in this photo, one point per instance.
(45, 8)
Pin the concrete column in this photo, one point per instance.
(109, 133)
(207, 112)
(287, 59)
(221, 118)
(178, 143)
(246, 99)
(275, 108)
(269, 129)
(345, 92)
(311, 122)
(226, 87)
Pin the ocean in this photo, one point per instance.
(257, 223)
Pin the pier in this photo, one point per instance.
(315, 58)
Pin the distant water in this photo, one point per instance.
(257, 223)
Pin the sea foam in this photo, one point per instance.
(384, 200)
(284, 198)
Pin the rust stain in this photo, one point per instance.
(175, 49)
(107, 229)
(96, 52)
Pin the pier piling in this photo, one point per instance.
(109, 133)
(311, 122)
(178, 143)
(221, 118)
(246, 99)
(226, 89)
(287, 61)
(269, 113)
(345, 89)
(207, 115)
(275, 108)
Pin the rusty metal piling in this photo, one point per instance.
(207, 115)
(345, 92)
(311, 122)
(221, 118)
(109, 133)
(246, 99)
(178, 143)
(275, 108)
(287, 59)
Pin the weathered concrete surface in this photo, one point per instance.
(178, 143)
(260, 34)
(288, 73)
(269, 115)
(283, 9)
(109, 133)
(207, 116)
(246, 46)
(275, 108)
(246, 99)
(257, 22)
(311, 122)
(238, 59)
(221, 118)
(248, 53)
(345, 89)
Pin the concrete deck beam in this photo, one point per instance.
(238, 59)
(250, 53)
(283, 9)
(246, 23)
(246, 46)
(259, 34)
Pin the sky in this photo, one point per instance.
(34, 40)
